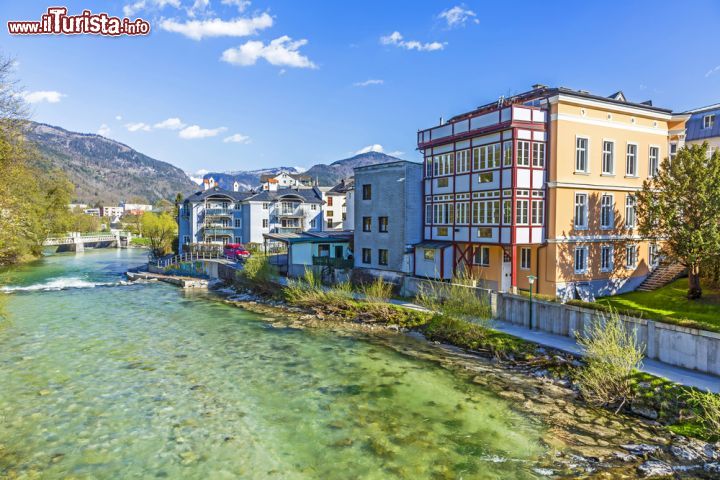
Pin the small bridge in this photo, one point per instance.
(176, 260)
(196, 265)
(77, 242)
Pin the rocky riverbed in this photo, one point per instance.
(583, 442)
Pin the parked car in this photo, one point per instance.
(236, 251)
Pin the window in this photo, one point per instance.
(482, 256)
(507, 212)
(486, 157)
(428, 214)
(607, 213)
(265, 223)
(631, 252)
(673, 151)
(429, 254)
(485, 177)
(329, 213)
(654, 255)
(708, 121)
(367, 191)
(366, 255)
(581, 216)
(329, 201)
(313, 207)
(608, 158)
(538, 155)
(581, 154)
(238, 223)
(462, 161)
(521, 212)
(428, 167)
(266, 206)
(630, 211)
(507, 154)
(580, 259)
(461, 212)
(654, 161)
(538, 212)
(186, 240)
(443, 182)
(606, 258)
(525, 258)
(383, 224)
(367, 224)
(330, 223)
(382, 256)
(442, 231)
(523, 153)
(444, 164)
(486, 212)
(631, 161)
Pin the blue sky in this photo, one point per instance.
(336, 78)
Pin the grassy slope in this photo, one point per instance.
(669, 304)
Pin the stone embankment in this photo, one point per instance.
(184, 282)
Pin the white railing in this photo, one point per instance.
(189, 257)
(83, 238)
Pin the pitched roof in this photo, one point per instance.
(343, 187)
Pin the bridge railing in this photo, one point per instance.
(189, 257)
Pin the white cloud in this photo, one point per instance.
(458, 16)
(199, 6)
(367, 83)
(712, 71)
(371, 148)
(197, 177)
(132, 8)
(395, 153)
(170, 124)
(216, 27)
(237, 138)
(118, 117)
(49, 96)
(194, 131)
(241, 5)
(104, 130)
(397, 39)
(137, 127)
(282, 51)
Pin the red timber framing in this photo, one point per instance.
(463, 248)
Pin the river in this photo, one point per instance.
(104, 379)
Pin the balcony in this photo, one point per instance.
(217, 232)
(332, 262)
(219, 211)
(297, 229)
(298, 212)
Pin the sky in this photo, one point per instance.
(226, 85)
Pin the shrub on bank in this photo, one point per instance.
(258, 274)
(377, 291)
(455, 300)
(612, 355)
(707, 405)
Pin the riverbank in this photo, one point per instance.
(655, 450)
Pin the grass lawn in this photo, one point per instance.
(669, 304)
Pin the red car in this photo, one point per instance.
(236, 251)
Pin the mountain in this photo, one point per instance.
(326, 175)
(104, 170)
(247, 179)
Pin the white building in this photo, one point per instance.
(135, 208)
(284, 180)
(339, 206)
(111, 212)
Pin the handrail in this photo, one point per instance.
(190, 257)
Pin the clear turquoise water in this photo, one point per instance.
(104, 380)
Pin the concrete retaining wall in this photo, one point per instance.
(671, 344)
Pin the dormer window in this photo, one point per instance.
(708, 121)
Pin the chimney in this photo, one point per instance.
(538, 86)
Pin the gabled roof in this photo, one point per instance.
(715, 106)
(619, 96)
(343, 187)
(217, 191)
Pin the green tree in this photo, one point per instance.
(680, 206)
(160, 230)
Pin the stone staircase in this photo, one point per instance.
(661, 276)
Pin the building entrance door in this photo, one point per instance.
(506, 280)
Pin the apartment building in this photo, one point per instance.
(543, 184)
(388, 217)
(284, 179)
(703, 125)
(221, 216)
(338, 206)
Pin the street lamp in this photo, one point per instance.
(531, 280)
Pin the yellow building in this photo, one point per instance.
(543, 184)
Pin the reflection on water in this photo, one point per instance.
(144, 381)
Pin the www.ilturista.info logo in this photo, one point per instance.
(57, 22)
